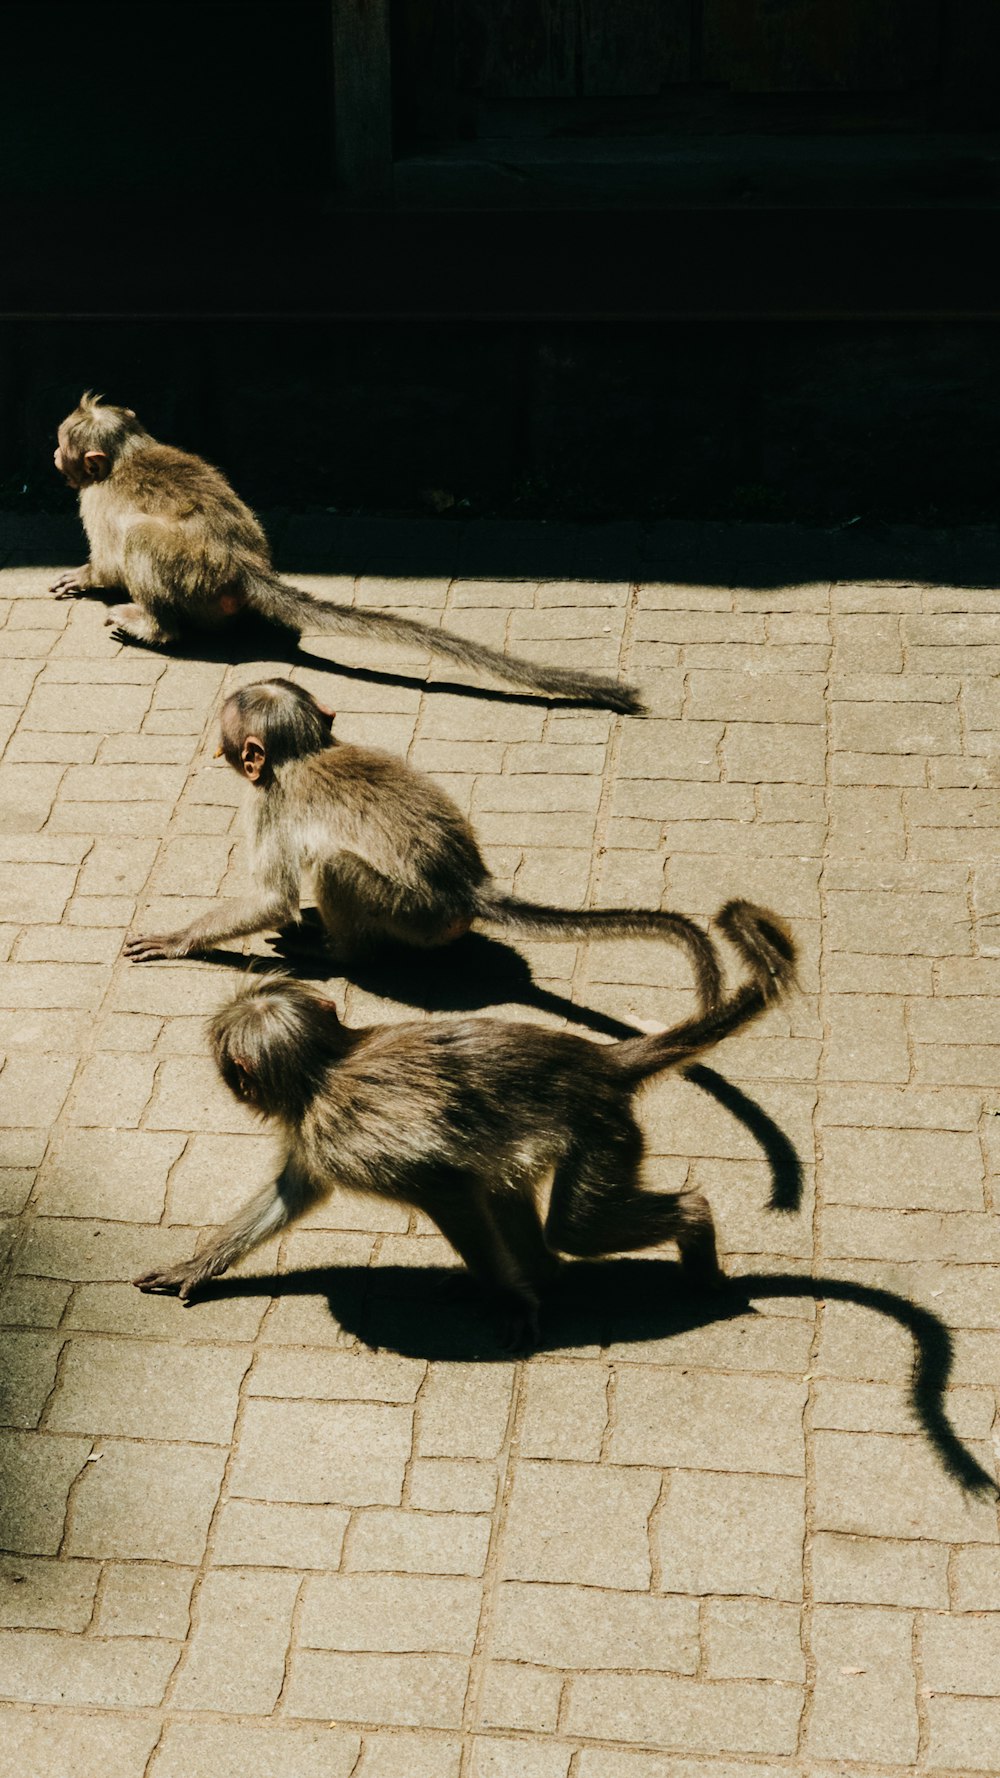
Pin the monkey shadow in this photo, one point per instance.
(252, 637)
(440, 1314)
(475, 973)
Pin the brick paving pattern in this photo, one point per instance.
(239, 1540)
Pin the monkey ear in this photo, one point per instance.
(253, 755)
(96, 466)
(324, 710)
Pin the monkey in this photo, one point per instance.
(469, 1120)
(167, 527)
(393, 858)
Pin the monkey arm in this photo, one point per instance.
(268, 1211)
(232, 919)
(276, 902)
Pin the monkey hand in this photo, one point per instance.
(75, 580)
(150, 947)
(179, 1280)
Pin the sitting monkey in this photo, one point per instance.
(467, 1119)
(168, 528)
(392, 856)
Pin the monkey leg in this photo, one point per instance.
(151, 618)
(360, 908)
(497, 1233)
(597, 1208)
(133, 624)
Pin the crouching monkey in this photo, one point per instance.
(393, 858)
(168, 528)
(468, 1120)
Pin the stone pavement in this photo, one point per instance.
(242, 1541)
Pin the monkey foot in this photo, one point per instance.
(175, 1281)
(518, 1326)
(119, 634)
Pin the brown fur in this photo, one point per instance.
(168, 528)
(393, 858)
(467, 1119)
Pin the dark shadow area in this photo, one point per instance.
(786, 1168)
(756, 556)
(424, 1312)
(476, 973)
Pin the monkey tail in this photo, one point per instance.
(530, 916)
(767, 949)
(297, 610)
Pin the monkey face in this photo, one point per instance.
(69, 467)
(78, 468)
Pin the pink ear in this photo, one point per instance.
(324, 710)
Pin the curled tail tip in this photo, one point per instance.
(763, 937)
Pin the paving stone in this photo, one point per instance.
(35, 891)
(464, 1410)
(565, 1412)
(127, 1389)
(893, 1486)
(46, 1595)
(865, 1704)
(235, 1658)
(390, 1614)
(606, 1762)
(33, 1088)
(345, 1454)
(422, 1691)
(28, 1376)
(732, 1534)
(686, 1715)
(337, 1376)
(145, 1502)
(120, 1174)
(677, 1420)
(584, 1627)
(517, 1697)
(903, 1169)
(145, 1599)
(975, 1578)
(418, 1543)
(62, 1740)
(752, 1639)
(579, 1523)
(446, 1485)
(408, 1756)
(959, 1655)
(33, 1302)
(881, 1571)
(36, 1473)
(518, 1759)
(267, 1749)
(42, 1667)
(964, 1732)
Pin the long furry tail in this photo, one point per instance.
(299, 611)
(767, 949)
(536, 917)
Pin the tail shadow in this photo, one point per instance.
(477, 972)
(436, 1313)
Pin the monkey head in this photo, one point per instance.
(267, 724)
(274, 1043)
(91, 438)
